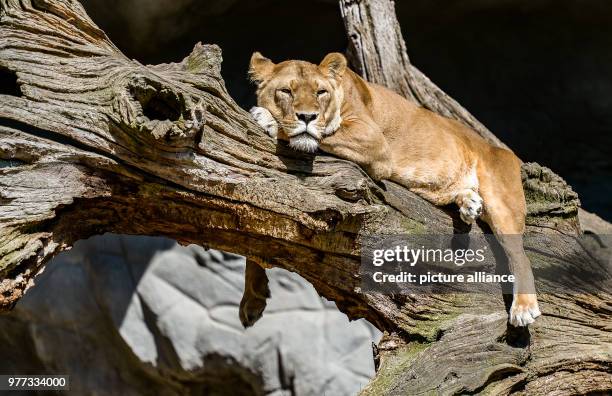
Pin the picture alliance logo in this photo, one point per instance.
(411, 256)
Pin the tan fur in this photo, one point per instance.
(438, 158)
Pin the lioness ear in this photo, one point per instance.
(334, 64)
(259, 68)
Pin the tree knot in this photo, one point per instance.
(159, 110)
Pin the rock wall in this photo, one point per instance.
(143, 316)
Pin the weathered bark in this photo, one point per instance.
(378, 51)
(94, 142)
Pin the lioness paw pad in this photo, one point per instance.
(265, 120)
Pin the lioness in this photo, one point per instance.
(330, 107)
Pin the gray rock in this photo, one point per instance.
(136, 316)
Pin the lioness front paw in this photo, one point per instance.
(524, 310)
(470, 206)
(265, 120)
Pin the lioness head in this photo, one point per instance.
(303, 98)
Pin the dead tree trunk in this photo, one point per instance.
(92, 142)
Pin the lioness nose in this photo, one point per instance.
(306, 117)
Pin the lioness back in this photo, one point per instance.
(433, 155)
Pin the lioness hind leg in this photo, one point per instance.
(505, 211)
(256, 292)
(470, 205)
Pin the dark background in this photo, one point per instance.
(538, 73)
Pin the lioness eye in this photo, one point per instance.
(321, 92)
(285, 91)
